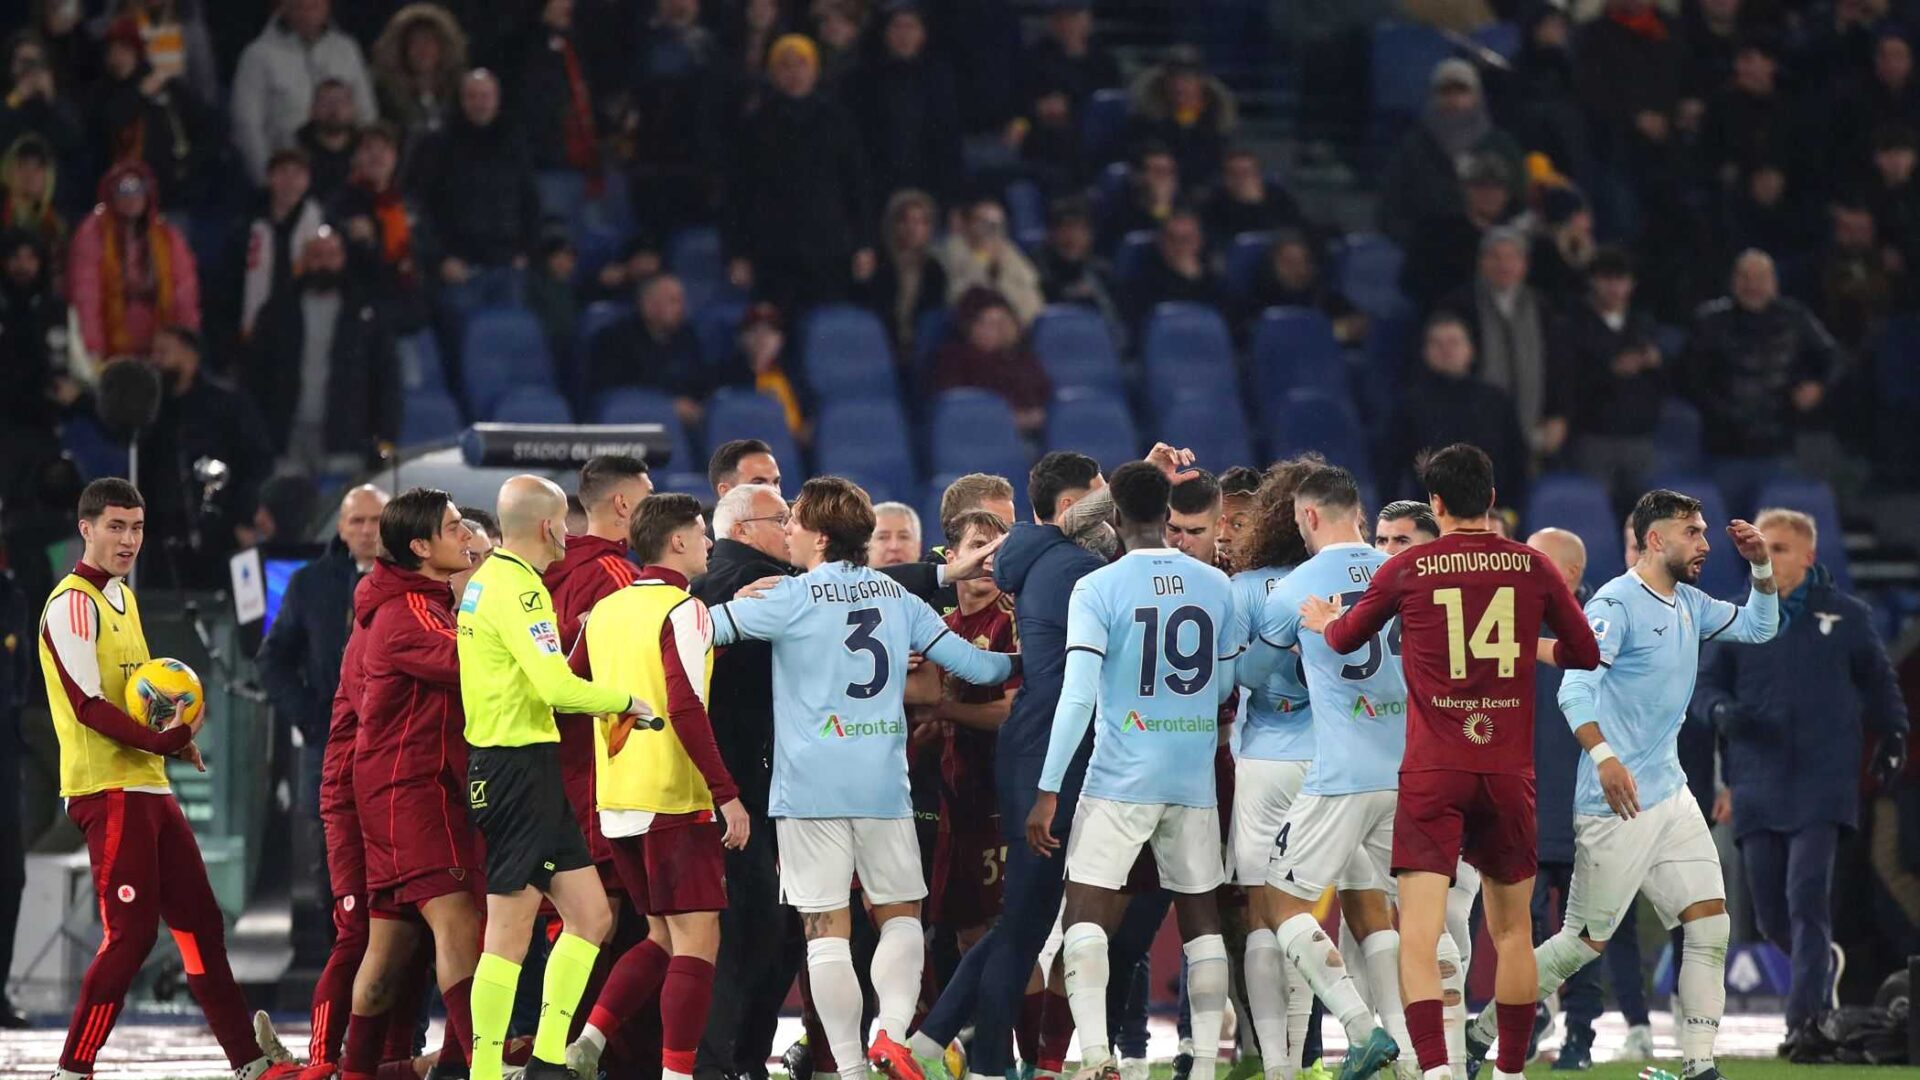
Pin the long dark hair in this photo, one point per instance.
(1272, 538)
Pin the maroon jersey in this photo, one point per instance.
(966, 762)
(1470, 607)
(336, 762)
(591, 570)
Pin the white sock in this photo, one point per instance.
(1266, 970)
(1381, 951)
(1439, 1072)
(1702, 986)
(923, 1045)
(63, 1074)
(594, 1035)
(1557, 958)
(1460, 927)
(1453, 1001)
(1362, 978)
(1084, 951)
(837, 998)
(1306, 945)
(897, 960)
(1299, 1014)
(1207, 981)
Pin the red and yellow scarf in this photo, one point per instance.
(117, 270)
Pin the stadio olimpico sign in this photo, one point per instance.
(559, 445)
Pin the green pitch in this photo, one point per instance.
(1731, 1068)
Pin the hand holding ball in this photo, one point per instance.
(164, 693)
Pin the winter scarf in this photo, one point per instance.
(133, 272)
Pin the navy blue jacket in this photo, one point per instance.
(1808, 695)
(1039, 565)
(1556, 763)
(299, 659)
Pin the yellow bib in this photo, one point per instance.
(653, 771)
(89, 761)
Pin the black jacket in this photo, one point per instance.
(363, 383)
(800, 186)
(299, 658)
(477, 187)
(1437, 411)
(330, 168)
(1048, 68)
(1158, 283)
(1585, 390)
(625, 354)
(1742, 367)
(741, 701)
(33, 322)
(921, 577)
(911, 123)
(212, 419)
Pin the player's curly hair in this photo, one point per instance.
(1272, 538)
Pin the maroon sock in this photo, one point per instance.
(684, 999)
(633, 982)
(1516, 1030)
(459, 1022)
(1426, 1022)
(403, 1018)
(333, 993)
(1026, 1033)
(361, 1059)
(1056, 1033)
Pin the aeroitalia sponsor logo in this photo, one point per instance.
(836, 728)
(1173, 725)
(1373, 710)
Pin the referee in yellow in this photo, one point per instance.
(513, 676)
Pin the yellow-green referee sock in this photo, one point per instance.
(494, 981)
(569, 966)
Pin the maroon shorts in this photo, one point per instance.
(969, 865)
(403, 900)
(346, 852)
(674, 870)
(1486, 817)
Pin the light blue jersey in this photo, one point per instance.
(1151, 643)
(1274, 723)
(1649, 658)
(841, 635)
(1358, 701)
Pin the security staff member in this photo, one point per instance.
(513, 675)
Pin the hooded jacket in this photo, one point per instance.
(591, 570)
(273, 88)
(119, 311)
(1040, 566)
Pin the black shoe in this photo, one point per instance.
(799, 1060)
(11, 1020)
(547, 1070)
(1542, 1023)
(1576, 1054)
(1794, 1034)
(449, 1071)
(1812, 1045)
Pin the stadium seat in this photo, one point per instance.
(1187, 346)
(845, 355)
(931, 330)
(532, 405)
(1316, 420)
(866, 442)
(1404, 55)
(973, 431)
(1096, 423)
(1725, 574)
(715, 325)
(420, 366)
(1213, 426)
(734, 413)
(694, 254)
(1026, 212)
(1366, 270)
(1678, 436)
(1131, 259)
(1501, 37)
(1102, 122)
(1579, 504)
(1294, 348)
(1815, 498)
(633, 405)
(505, 348)
(1244, 258)
(428, 416)
(1076, 347)
(562, 191)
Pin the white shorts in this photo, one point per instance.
(1665, 853)
(1335, 841)
(1262, 792)
(1466, 883)
(819, 856)
(1108, 834)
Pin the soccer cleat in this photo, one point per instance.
(319, 1070)
(893, 1059)
(269, 1040)
(1316, 1071)
(1022, 1071)
(1639, 1044)
(546, 1070)
(954, 1059)
(1141, 1068)
(798, 1060)
(1182, 1062)
(1477, 1048)
(1576, 1054)
(1407, 1069)
(288, 1070)
(1247, 1067)
(1107, 1071)
(1376, 1053)
(583, 1059)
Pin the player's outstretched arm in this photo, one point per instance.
(756, 613)
(1574, 647)
(932, 639)
(1759, 619)
(534, 644)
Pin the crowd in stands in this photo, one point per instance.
(1646, 219)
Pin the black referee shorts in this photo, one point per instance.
(518, 798)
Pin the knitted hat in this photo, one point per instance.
(798, 44)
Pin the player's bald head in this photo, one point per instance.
(1566, 551)
(525, 502)
(362, 499)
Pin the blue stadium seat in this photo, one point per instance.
(1404, 55)
(1815, 498)
(597, 317)
(695, 253)
(866, 442)
(633, 405)
(931, 330)
(1366, 269)
(1317, 420)
(734, 413)
(1501, 37)
(1579, 504)
(1897, 361)
(420, 366)
(1102, 121)
(715, 325)
(1213, 426)
(1076, 347)
(1096, 423)
(1678, 436)
(1896, 378)
(1187, 345)
(1244, 257)
(1132, 256)
(562, 191)
(428, 416)
(973, 431)
(505, 348)
(1026, 212)
(532, 405)
(845, 354)
(1725, 574)
(1294, 348)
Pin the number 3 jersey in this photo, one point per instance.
(1470, 606)
(1151, 641)
(841, 638)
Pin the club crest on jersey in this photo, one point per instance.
(1827, 619)
(1478, 728)
(126, 894)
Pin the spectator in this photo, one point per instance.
(129, 272)
(387, 240)
(1511, 324)
(1152, 195)
(1427, 176)
(1629, 68)
(1759, 367)
(1536, 100)
(1893, 196)
(549, 290)
(33, 346)
(285, 512)
(1855, 289)
(904, 100)
(837, 26)
(1749, 121)
(1444, 402)
(1071, 271)
(477, 187)
(1244, 202)
(1794, 715)
(136, 112)
(896, 536)
(1563, 247)
(761, 23)
(982, 40)
(1178, 105)
(652, 346)
(760, 364)
(1176, 270)
(1838, 42)
(798, 222)
(329, 139)
(1441, 256)
(1711, 31)
(1763, 212)
(323, 365)
(979, 254)
(1052, 149)
(991, 356)
(1067, 58)
(553, 98)
(178, 46)
(639, 260)
(909, 281)
(417, 63)
(677, 88)
(27, 172)
(275, 241)
(1889, 95)
(33, 105)
(1612, 380)
(1290, 277)
(273, 87)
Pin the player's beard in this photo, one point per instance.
(1683, 569)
